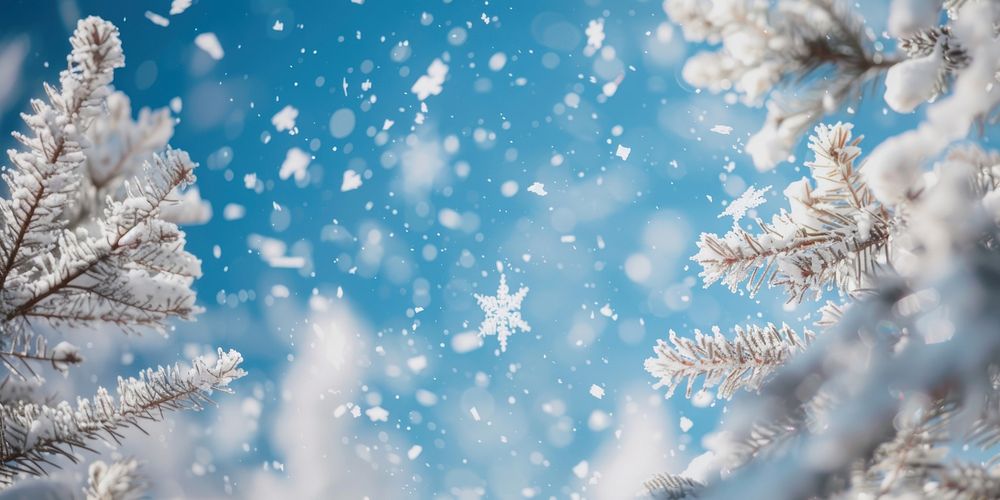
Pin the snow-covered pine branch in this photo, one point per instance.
(88, 239)
(835, 232)
(670, 487)
(135, 273)
(119, 480)
(744, 362)
(22, 350)
(33, 433)
(818, 49)
(46, 175)
(118, 150)
(906, 367)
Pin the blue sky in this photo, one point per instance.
(611, 232)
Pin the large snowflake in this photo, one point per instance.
(503, 312)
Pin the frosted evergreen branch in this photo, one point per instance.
(941, 371)
(913, 456)
(836, 232)
(15, 389)
(671, 487)
(31, 433)
(803, 59)
(965, 481)
(120, 480)
(85, 241)
(939, 42)
(47, 173)
(908, 366)
(771, 438)
(24, 350)
(984, 432)
(135, 274)
(744, 362)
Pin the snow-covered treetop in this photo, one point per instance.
(85, 244)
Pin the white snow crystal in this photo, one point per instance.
(296, 162)
(597, 391)
(285, 119)
(233, 211)
(430, 84)
(581, 469)
(595, 36)
(351, 181)
(475, 413)
(466, 342)
(598, 421)
(210, 44)
(414, 452)
(417, 363)
(751, 198)
(273, 252)
(377, 413)
(610, 88)
(497, 61)
(157, 19)
(623, 152)
(426, 398)
(503, 312)
(278, 26)
(702, 399)
(179, 6)
(722, 129)
(686, 424)
(537, 188)
(450, 218)
(607, 311)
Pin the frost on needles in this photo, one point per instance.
(89, 239)
(895, 253)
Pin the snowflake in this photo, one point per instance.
(503, 312)
(751, 198)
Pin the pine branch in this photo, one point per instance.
(912, 457)
(23, 349)
(744, 362)
(15, 389)
(835, 233)
(136, 273)
(120, 480)
(47, 173)
(80, 246)
(768, 439)
(32, 433)
(966, 482)
(671, 487)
